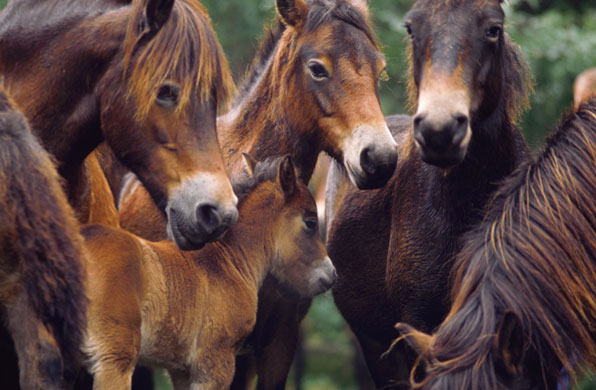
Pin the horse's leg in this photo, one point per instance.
(40, 361)
(246, 372)
(180, 379)
(214, 370)
(386, 367)
(275, 359)
(114, 337)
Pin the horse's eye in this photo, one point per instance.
(317, 70)
(409, 30)
(168, 95)
(311, 224)
(493, 33)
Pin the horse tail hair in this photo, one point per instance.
(45, 246)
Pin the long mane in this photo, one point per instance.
(185, 49)
(534, 255)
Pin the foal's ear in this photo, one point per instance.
(286, 176)
(292, 12)
(248, 164)
(510, 344)
(157, 13)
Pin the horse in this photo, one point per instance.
(145, 76)
(312, 87)
(393, 247)
(42, 280)
(523, 285)
(584, 86)
(191, 311)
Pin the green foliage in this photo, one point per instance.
(559, 44)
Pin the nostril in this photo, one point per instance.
(208, 216)
(366, 161)
(418, 119)
(461, 119)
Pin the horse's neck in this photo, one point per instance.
(246, 250)
(261, 126)
(496, 149)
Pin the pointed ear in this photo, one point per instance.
(248, 164)
(420, 342)
(156, 14)
(510, 344)
(362, 6)
(286, 175)
(292, 12)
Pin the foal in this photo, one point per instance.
(41, 276)
(524, 297)
(190, 312)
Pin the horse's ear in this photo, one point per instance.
(362, 6)
(510, 344)
(286, 176)
(420, 342)
(248, 164)
(157, 13)
(292, 12)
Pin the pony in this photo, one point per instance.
(523, 285)
(191, 311)
(146, 77)
(312, 87)
(42, 280)
(393, 247)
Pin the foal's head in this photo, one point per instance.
(464, 71)
(330, 64)
(159, 107)
(300, 261)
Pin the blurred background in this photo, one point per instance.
(557, 37)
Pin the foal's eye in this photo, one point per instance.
(168, 94)
(311, 224)
(317, 70)
(409, 30)
(493, 33)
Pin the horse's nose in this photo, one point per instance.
(442, 140)
(378, 164)
(440, 134)
(213, 218)
(330, 280)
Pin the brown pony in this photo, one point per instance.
(524, 298)
(311, 88)
(393, 247)
(41, 274)
(147, 78)
(190, 312)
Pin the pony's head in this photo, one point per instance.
(300, 261)
(465, 71)
(330, 65)
(500, 360)
(164, 93)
